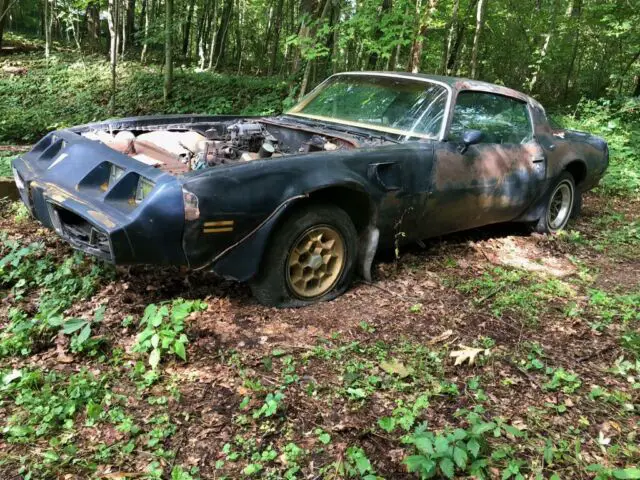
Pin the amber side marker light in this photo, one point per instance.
(220, 226)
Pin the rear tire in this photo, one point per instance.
(560, 206)
(311, 258)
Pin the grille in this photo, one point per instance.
(79, 232)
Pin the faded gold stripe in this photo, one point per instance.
(218, 230)
(219, 223)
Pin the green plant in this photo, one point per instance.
(606, 473)
(463, 450)
(511, 290)
(567, 382)
(83, 328)
(46, 403)
(163, 329)
(272, 402)
(403, 416)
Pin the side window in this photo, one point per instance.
(501, 119)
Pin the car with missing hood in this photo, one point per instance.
(297, 204)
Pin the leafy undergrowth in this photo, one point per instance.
(618, 121)
(492, 354)
(70, 91)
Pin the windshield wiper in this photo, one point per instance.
(330, 126)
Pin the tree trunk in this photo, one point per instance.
(538, 67)
(4, 13)
(48, 19)
(453, 26)
(187, 29)
(377, 34)
(307, 68)
(214, 21)
(168, 49)
(146, 9)
(93, 24)
(452, 62)
(112, 19)
(276, 36)
(143, 14)
(221, 35)
(415, 56)
(543, 51)
(574, 11)
(476, 38)
(131, 16)
(306, 11)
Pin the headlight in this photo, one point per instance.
(143, 189)
(114, 174)
(191, 209)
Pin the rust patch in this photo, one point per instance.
(102, 218)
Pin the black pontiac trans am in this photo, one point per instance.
(299, 203)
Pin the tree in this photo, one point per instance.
(427, 14)
(112, 19)
(4, 14)
(476, 38)
(48, 21)
(168, 49)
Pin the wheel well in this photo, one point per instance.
(354, 202)
(578, 170)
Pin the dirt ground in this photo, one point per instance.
(331, 361)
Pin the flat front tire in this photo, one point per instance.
(560, 205)
(310, 258)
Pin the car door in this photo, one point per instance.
(493, 180)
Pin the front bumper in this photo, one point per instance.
(60, 183)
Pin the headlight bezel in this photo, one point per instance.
(143, 189)
(116, 172)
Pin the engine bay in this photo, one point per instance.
(184, 148)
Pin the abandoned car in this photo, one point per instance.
(298, 204)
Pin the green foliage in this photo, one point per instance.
(618, 121)
(516, 291)
(608, 308)
(463, 451)
(5, 164)
(403, 416)
(567, 382)
(163, 329)
(47, 403)
(70, 92)
(81, 328)
(271, 404)
(26, 268)
(606, 473)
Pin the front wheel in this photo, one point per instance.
(310, 258)
(560, 205)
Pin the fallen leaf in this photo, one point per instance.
(443, 336)
(467, 353)
(394, 366)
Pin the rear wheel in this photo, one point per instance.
(560, 205)
(311, 258)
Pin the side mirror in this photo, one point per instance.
(470, 137)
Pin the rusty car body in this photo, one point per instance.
(296, 204)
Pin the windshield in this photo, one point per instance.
(402, 106)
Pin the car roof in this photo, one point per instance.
(456, 83)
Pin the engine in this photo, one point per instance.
(178, 151)
(242, 141)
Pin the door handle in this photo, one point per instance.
(538, 158)
(374, 173)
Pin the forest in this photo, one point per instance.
(493, 353)
(557, 50)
